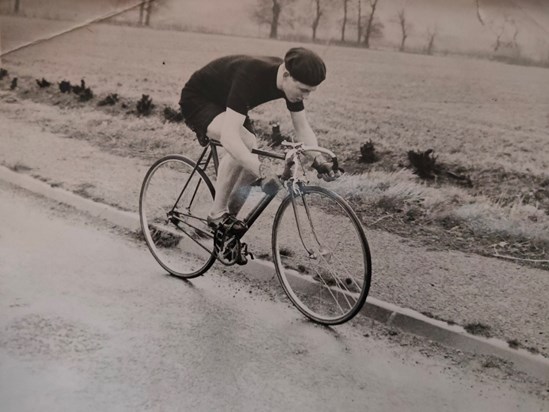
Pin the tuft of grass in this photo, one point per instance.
(164, 239)
(172, 115)
(513, 343)
(263, 255)
(145, 105)
(284, 251)
(533, 350)
(493, 362)
(302, 269)
(424, 163)
(110, 100)
(84, 93)
(43, 83)
(20, 168)
(65, 86)
(479, 329)
(276, 137)
(368, 153)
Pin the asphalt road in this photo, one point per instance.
(89, 322)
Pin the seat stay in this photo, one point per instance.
(197, 165)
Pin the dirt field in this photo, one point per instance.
(486, 120)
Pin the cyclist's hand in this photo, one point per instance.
(325, 169)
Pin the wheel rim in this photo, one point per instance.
(331, 285)
(179, 238)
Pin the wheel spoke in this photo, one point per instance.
(337, 272)
(171, 181)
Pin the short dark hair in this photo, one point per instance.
(305, 66)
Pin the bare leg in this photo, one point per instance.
(227, 176)
(240, 192)
(232, 186)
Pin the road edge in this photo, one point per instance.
(404, 319)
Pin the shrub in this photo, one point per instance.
(172, 115)
(368, 153)
(110, 100)
(478, 328)
(79, 89)
(13, 84)
(424, 163)
(65, 86)
(43, 83)
(276, 137)
(85, 95)
(3, 73)
(145, 105)
(513, 343)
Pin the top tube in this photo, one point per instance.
(260, 152)
(282, 156)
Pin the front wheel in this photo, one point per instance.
(175, 200)
(321, 255)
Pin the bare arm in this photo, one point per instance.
(232, 141)
(303, 130)
(305, 134)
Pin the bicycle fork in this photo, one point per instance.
(323, 252)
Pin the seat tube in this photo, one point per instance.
(197, 166)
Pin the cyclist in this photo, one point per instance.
(215, 103)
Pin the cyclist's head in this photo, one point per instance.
(304, 70)
(305, 66)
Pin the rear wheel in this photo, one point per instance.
(174, 202)
(321, 255)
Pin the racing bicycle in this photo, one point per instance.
(319, 248)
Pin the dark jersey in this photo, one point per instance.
(239, 83)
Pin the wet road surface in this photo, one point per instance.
(89, 322)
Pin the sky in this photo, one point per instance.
(455, 21)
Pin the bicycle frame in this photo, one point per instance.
(338, 292)
(210, 153)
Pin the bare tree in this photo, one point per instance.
(344, 22)
(148, 10)
(269, 12)
(479, 14)
(359, 22)
(404, 28)
(141, 12)
(319, 11)
(370, 23)
(497, 43)
(514, 42)
(431, 34)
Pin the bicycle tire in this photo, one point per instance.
(306, 279)
(171, 235)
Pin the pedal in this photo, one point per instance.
(242, 259)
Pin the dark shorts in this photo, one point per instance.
(198, 112)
